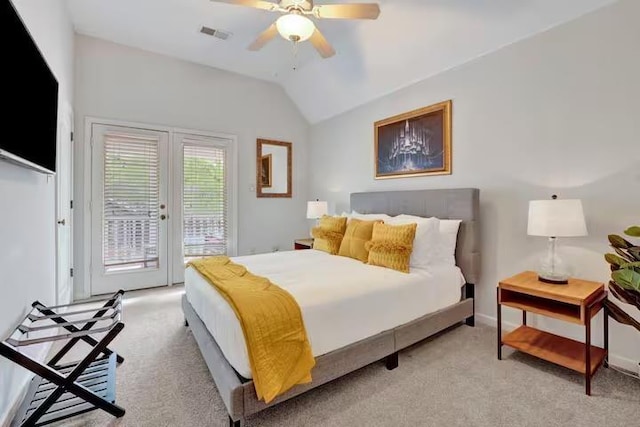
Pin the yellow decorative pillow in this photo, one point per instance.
(391, 246)
(357, 235)
(328, 234)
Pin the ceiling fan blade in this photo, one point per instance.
(321, 44)
(264, 38)
(258, 4)
(347, 11)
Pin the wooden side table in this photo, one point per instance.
(302, 244)
(577, 302)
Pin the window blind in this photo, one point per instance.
(204, 198)
(131, 202)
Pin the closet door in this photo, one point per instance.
(64, 213)
(129, 209)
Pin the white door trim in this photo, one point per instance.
(89, 121)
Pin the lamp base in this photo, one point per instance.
(552, 268)
(553, 281)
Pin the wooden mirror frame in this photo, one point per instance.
(289, 147)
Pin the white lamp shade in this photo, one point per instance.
(295, 27)
(316, 209)
(556, 218)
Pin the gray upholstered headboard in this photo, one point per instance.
(458, 203)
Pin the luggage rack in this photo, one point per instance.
(62, 390)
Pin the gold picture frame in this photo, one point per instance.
(416, 143)
(266, 171)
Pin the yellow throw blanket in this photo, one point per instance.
(279, 352)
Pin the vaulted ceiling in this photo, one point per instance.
(412, 40)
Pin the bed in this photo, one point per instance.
(409, 307)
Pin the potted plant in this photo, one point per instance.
(625, 276)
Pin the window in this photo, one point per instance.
(205, 199)
(131, 202)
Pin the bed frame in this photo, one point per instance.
(239, 395)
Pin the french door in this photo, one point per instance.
(129, 208)
(159, 198)
(204, 197)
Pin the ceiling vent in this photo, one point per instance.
(222, 35)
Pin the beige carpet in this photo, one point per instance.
(451, 380)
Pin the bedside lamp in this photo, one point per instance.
(316, 209)
(555, 218)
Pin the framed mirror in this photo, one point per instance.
(273, 168)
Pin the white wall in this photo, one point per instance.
(557, 113)
(118, 82)
(27, 202)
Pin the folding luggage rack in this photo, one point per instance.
(62, 390)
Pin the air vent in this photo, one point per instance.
(222, 35)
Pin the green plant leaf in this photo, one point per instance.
(634, 252)
(624, 295)
(624, 255)
(618, 242)
(630, 265)
(620, 315)
(633, 231)
(627, 279)
(615, 260)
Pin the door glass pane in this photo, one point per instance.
(204, 198)
(131, 202)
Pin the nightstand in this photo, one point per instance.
(302, 244)
(577, 302)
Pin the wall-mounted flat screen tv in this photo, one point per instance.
(29, 96)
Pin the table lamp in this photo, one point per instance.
(555, 218)
(316, 209)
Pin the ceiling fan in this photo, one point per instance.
(295, 25)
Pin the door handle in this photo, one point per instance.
(163, 217)
(62, 221)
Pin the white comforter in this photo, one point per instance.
(342, 300)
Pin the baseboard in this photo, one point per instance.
(615, 360)
(493, 322)
(626, 364)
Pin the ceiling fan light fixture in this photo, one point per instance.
(295, 27)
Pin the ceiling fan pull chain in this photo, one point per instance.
(295, 56)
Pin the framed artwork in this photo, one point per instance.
(274, 165)
(266, 171)
(416, 143)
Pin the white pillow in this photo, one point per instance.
(425, 243)
(444, 252)
(448, 241)
(368, 217)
